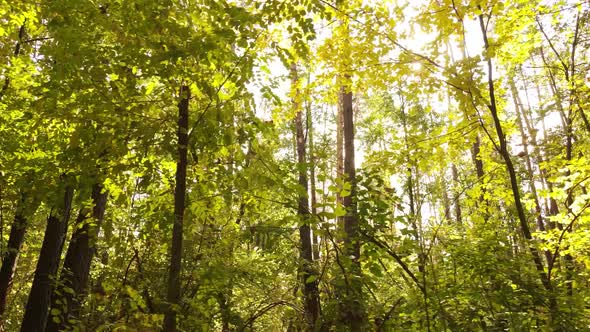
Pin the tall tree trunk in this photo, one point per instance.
(309, 275)
(415, 216)
(340, 150)
(37, 310)
(71, 289)
(456, 195)
(526, 155)
(444, 187)
(503, 150)
(17, 51)
(477, 158)
(312, 190)
(352, 306)
(528, 163)
(569, 201)
(567, 123)
(553, 209)
(478, 163)
(173, 296)
(15, 242)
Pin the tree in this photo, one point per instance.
(309, 276)
(38, 304)
(294, 165)
(179, 207)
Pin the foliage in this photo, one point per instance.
(89, 91)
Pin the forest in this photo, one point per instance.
(294, 165)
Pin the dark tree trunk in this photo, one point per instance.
(477, 159)
(478, 163)
(503, 150)
(37, 309)
(352, 306)
(71, 289)
(15, 242)
(309, 276)
(173, 295)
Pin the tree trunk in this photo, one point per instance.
(456, 194)
(312, 189)
(478, 163)
(415, 216)
(309, 276)
(503, 150)
(528, 163)
(567, 122)
(15, 242)
(179, 206)
(446, 201)
(340, 151)
(477, 159)
(71, 290)
(37, 310)
(352, 306)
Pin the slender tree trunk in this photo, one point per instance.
(456, 197)
(554, 89)
(503, 150)
(340, 150)
(444, 187)
(526, 156)
(312, 189)
(352, 306)
(225, 309)
(528, 164)
(15, 242)
(553, 209)
(17, 51)
(475, 147)
(415, 217)
(478, 163)
(569, 201)
(173, 296)
(567, 122)
(309, 276)
(71, 289)
(37, 309)
(477, 159)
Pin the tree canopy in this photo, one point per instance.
(303, 165)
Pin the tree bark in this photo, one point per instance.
(415, 216)
(526, 155)
(37, 309)
(478, 163)
(312, 190)
(458, 214)
(352, 306)
(309, 275)
(340, 150)
(503, 150)
(71, 290)
(10, 259)
(173, 295)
